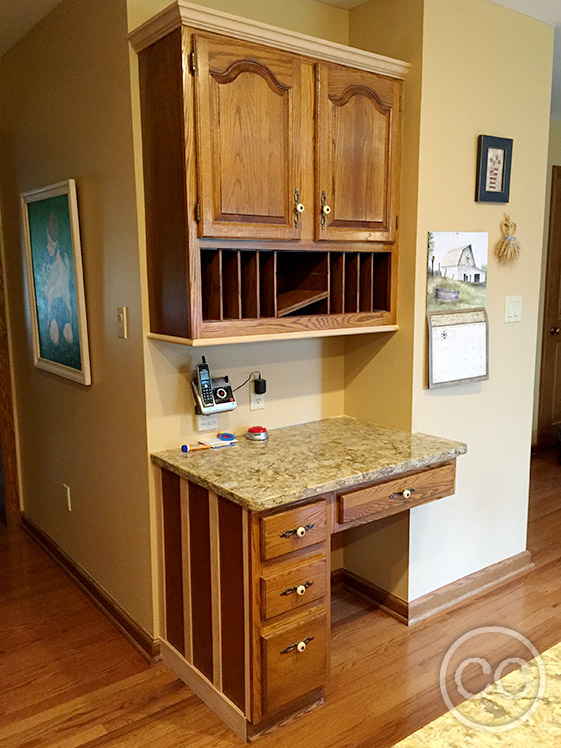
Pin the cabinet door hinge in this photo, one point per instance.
(197, 212)
(400, 103)
(192, 63)
(396, 223)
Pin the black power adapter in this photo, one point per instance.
(259, 385)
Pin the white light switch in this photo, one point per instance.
(123, 322)
(513, 309)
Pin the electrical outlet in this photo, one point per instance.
(67, 497)
(256, 402)
(206, 423)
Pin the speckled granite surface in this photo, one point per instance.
(521, 710)
(298, 462)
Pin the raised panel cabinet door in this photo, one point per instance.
(248, 110)
(358, 155)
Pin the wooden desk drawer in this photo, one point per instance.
(384, 499)
(293, 529)
(293, 586)
(290, 673)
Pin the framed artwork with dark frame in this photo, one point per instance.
(494, 159)
(55, 281)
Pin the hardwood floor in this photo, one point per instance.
(69, 680)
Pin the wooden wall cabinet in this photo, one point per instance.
(271, 176)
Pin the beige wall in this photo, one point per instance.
(449, 105)
(65, 103)
(553, 159)
(470, 74)
(305, 16)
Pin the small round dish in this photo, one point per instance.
(257, 434)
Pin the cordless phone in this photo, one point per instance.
(212, 394)
(205, 384)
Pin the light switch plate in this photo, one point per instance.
(123, 322)
(513, 309)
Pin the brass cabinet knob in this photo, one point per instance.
(555, 331)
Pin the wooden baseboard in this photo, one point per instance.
(383, 599)
(435, 602)
(140, 639)
(474, 584)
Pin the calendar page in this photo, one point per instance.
(458, 348)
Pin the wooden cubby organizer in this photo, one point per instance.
(271, 173)
(260, 284)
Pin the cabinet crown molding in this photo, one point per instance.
(181, 13)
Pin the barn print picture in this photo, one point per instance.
(457, 270)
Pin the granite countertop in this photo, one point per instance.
(298, 462)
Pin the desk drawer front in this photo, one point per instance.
(287, 590)
(293, 529)
(295, 662)
(391, 497)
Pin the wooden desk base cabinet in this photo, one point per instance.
(245, 614)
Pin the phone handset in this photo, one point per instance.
(204, 384)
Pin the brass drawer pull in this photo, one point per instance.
(299, 531)
(300, 646)
(406, 493)
(300, 589)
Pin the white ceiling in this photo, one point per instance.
(17, 17)
(545, 10)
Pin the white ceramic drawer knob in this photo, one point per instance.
(407, 493)
(300, 590)
(300, 208)
(326, 210)
(301, 531)
(301, 646)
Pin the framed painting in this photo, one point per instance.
(55, 281)
(494, 160)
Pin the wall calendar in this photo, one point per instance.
(458, 347)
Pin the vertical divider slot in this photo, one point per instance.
(337, 282)
(211, 277)
(366, 282)
(231, 283)
(268, 284)
(250, 284)
(351, 281)
(382, 281)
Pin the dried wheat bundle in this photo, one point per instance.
(508, 248)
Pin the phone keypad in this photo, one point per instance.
(206, 392)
